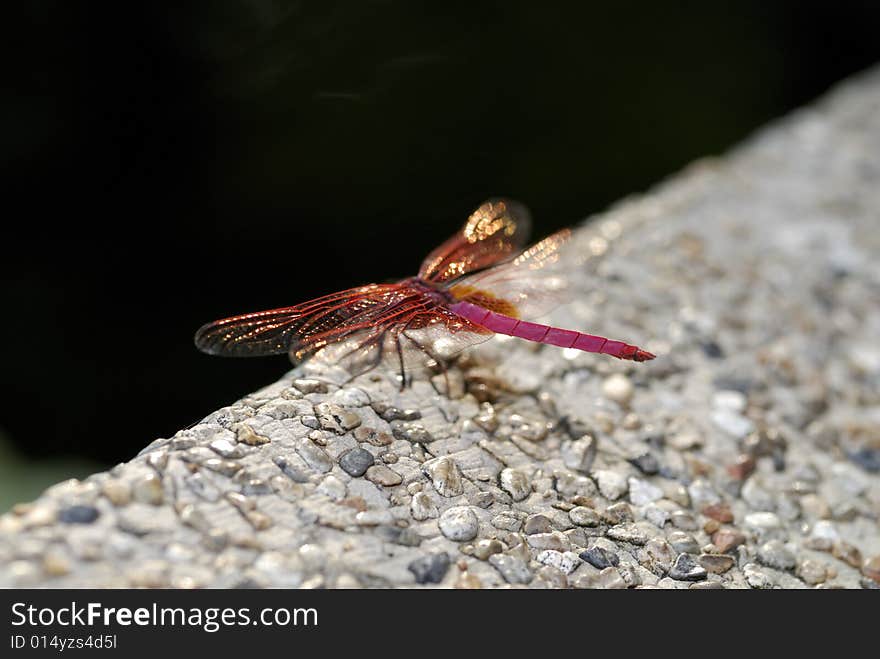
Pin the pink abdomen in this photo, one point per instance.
(546, 334)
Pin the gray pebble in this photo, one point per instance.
(411, 432)
(583, 516)
(641, 492)
(537, 523)
(686, 568)
(508, 520)
(775, 554)
(627, 533)
(683, 542)
(356, 461)
(78, 514)
(430, 569)
(512, 568)
(600, 558)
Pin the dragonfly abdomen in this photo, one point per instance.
(555, 336)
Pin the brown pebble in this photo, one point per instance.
(742, 468)
(727, 539)
(711, 526)
(716, 563)
(382, 475)
(720, 512)
(847, 553)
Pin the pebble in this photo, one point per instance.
(512, 568)
(310, 386)
(117, 492)
(430, 569)
(702, 494)
(78, 514)
(627, 533)
(148, 489)
(756, 496)
(356, 462)
(335, 418)
(553, 540)
(459, 523)
(847, 553)
(755, 577)
(775, 554)
(445, 476)
(485, 548)
(812, 572)
(618, 388)
(871, 568)
(683, 542)
(617, 513)
(422, 508)
(551, 576)
(642, 492)
(580, 454)
(244, 434)
(686, 568)
(646, 463)
(411, 432)
(611, 484)
(537, 523)
(716, 563)
(382, 475)
(732, 423)
(719, 511)
(726, 540)
(762, 521)
(583, 516)
(610, 578)
(684, 520)
(314, 456)
(508, 521)
(566, 561)
(600, 558)
(656, 515)
(515, 483)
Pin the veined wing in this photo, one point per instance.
(494, 233)
(359, 326)
(289, 329)
(528, 286)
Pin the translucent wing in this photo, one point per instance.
(359, 328)
(528, 286)
(495, 232)
(291, 329)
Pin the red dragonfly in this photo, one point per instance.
(479, 282)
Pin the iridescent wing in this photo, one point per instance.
(359, 328)
(527, 287)
(494, 233)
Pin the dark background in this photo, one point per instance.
(169, 166)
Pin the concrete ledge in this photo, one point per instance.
(746, 455)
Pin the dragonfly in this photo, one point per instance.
(480, 282)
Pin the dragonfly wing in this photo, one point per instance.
(358, 328)
(294, 329)
(529, 286)
(494, 233)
